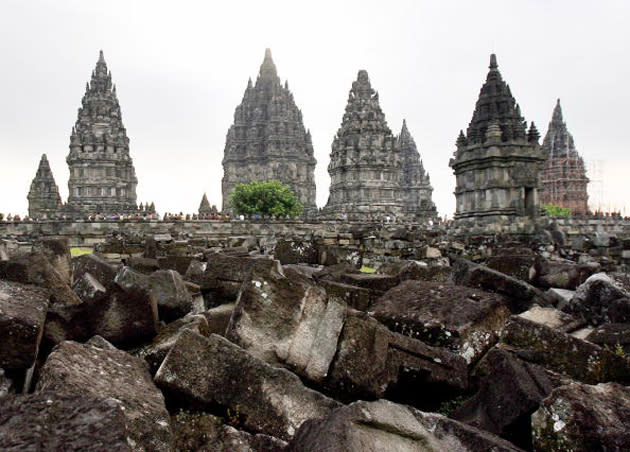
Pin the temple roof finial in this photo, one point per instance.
(101, 57)
(268, 68)
(557, 113)
(493, 62)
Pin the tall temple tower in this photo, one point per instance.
(374, 173)
(43, 197)
(268, 141)
(102, 176)
(564, 176)
(498, 162)
(415, 180)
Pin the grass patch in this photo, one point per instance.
(80, 251)
(365, 269)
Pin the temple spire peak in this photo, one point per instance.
(493, 62)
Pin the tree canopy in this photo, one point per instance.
(265, 198)
(557, 211)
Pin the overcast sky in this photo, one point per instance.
(181, 68)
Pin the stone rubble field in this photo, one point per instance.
(295, 349)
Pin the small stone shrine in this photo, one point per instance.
(205, 208)
(498, 161)
(563, 176)
(43, 197)
(268, 140)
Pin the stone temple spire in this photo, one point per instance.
(498, 162)
(415, 180)
(496, 103)
(43, 197)
(367, 163)
(268, 140)
(564, 175)
(102, 176)
(204, 207)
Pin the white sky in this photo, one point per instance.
(181, 69)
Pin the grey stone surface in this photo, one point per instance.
(386, 426)
(373, 173)
(497, 163)
(98, 369)
(267, 140)
(583, 418)
(55, 421)
(215, 371)
(22, 315)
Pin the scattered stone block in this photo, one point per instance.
(219, 318)
(583, 418)
(295, 252)
(98, 369)
(287, 319)
(6, 384)
(205, 432)
(215, 371)
(464, 320)
(97, 266)
(563, 353)
(562, 274)
(383, 425)
(552, 318)
(22, 315)
(601, 299)
(144, 265)
(57, 249)
(56, 421)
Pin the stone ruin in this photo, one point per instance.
(287, 346)
(374, 173)
(205, 208)
(563, 175)
(498, 161)
(268, 140)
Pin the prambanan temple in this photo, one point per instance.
(501, 170)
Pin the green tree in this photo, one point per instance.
(557, 211)
(265, 198)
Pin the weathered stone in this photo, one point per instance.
(583, 418)
(6, 384)
(57, 249)
(562, 274)
(219, 318)
(22, 315)
(102, 176)
(497, 163)
(334, 255)
(601, 299)
(168, 287)
(510, 390)
(560, 352)
(99, 268)
(43, 196)
(167, 335)
(202, 432)
(374, 282)
(390, 181)
(178, 263)
(383, 425)
(215, 371)
(294, 252)
(561, 297)
(34, 268)
(615, 336)
(54, 421)
(520, 295)
(355, 297)
(552, 318)
(466, 321)
(268, 141)
(418, 270)
(98, 369)
(288, 320)
(517, 262)
(223, 274)
(144, 265)
(372, 361)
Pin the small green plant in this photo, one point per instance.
(619, 350)
(233, 416)
(448, 407)
(365, 269)
(557, 211)
(80, 251)
(265, 198)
